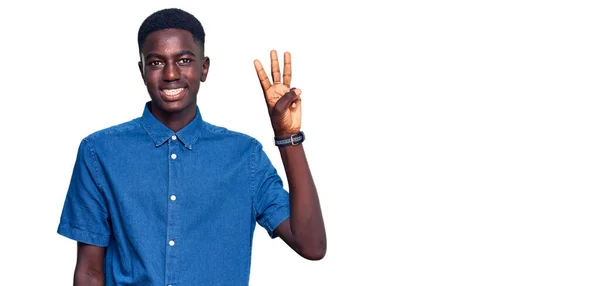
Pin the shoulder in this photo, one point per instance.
(115, 131)
(215, 132)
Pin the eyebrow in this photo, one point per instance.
(186, 52)
(182, 53)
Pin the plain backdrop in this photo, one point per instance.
(452, 142)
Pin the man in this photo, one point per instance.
(169, 199)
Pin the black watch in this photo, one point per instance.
(289, 141)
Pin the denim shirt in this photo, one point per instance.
(172, 208)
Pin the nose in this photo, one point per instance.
(171, 72)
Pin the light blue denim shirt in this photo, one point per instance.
(172, 208)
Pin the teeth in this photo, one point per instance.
(172, 91)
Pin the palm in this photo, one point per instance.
(283, 104)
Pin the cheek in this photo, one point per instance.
(152, 78)
(194, 76)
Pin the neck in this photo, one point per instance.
(174, 121)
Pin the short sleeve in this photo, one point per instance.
(271, 200)
(84, 216)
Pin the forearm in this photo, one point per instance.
(88, 277)
(306, 220)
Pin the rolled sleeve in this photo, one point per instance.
(84, 216)
(271, 200)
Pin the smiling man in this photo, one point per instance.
(170, 199)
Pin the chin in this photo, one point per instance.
(177, 106)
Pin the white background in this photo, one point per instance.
(452, 142)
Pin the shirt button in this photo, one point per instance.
(174, 137)
(173, 156)
(171, 242)
(173, 197)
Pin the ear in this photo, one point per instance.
(205, 66)
(141, 66)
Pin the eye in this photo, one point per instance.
(185, 61)
(155, 63)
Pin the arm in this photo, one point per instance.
(304, 231)
(85, 218)
(89, 270)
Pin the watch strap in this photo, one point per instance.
(290, 141)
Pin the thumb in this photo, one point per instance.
(286, 100)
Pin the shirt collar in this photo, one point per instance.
(159, 133)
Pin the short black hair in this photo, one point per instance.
(171, 18)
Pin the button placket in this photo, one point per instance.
(173, 219)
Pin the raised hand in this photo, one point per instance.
(283, 103)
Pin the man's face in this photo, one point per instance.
(172, 66)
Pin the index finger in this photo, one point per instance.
(262, 75)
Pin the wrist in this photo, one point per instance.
(284, 134)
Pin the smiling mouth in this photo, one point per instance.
(172, 94)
